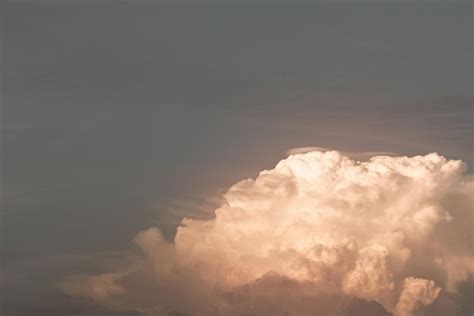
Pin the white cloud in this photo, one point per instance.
(318, 233)
(415, 294)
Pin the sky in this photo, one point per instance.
(121, 116)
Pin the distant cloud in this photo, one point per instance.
(320, 233)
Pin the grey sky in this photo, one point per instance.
(114, 116)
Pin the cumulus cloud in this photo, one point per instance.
(415, 294)
(319, 234)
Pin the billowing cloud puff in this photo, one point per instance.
(320, 234)
(415, 294)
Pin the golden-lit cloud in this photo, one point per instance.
(319, 234)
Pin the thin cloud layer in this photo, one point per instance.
(320, 234)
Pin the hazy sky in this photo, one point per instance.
(117, 117)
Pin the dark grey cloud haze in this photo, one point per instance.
(114, 116)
